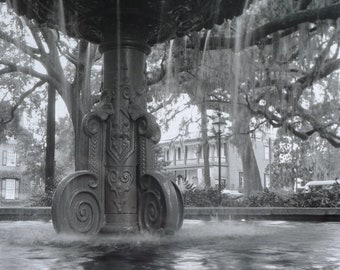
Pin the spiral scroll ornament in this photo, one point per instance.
(78, 204)
(153, 212)
(83, 213)
(92, 120)
(148, 127)
(161, 204)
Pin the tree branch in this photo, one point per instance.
(297, 110)
(10, 67)
(22, 46)
(19, 102)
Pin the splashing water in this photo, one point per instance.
(237, 61)
(61, 16)
(205, 46)
(185, 38)
(87, 83)
(169, 68)
(243, 24)
(119, 41)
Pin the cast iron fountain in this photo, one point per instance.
(121, 191)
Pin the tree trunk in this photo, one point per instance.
(252, 178)
(243, 143)
(81, 103)
(50, 141)
(75, 94)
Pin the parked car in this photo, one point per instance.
(232, 193)
(320, 184)
(298, 185)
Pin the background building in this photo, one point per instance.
(185, 160)
(12, 186)
(181, 147)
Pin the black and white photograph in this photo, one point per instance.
(169, 134)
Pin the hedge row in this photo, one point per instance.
(321, 198)
(210, 197)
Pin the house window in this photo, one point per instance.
(4, 158)
(10, 189)
(179, 153)
(266, 152)
(9, 158)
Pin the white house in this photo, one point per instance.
(184, 153)
(185, 159)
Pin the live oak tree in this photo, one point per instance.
(41, 54)
(272, 66)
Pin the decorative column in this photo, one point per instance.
(124, 90)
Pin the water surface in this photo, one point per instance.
(198, 245)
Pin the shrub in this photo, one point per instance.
(320, 198)
(201, 198)
(266, 198)
(206, 198)
(41, 198)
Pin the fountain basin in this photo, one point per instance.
(266, 213)
(158, 20)
(202, 213)
(199, 245)
(25, 213)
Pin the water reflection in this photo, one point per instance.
(199, 245)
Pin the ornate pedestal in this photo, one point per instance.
(120, 192)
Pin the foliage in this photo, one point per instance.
(31, 150)
(295, 158)
(40, 197)
(11, 128)
(266, 198)
(64, 163)
(318, 198)
(34, 56)
(290, 161)
(201, 197)
(208, 197)
(64, 148)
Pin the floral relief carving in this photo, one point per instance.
(121, 137)
(120, 183)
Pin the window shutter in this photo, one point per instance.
(3, 188)
(17, 183)
(17, 162)
(4, 158)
